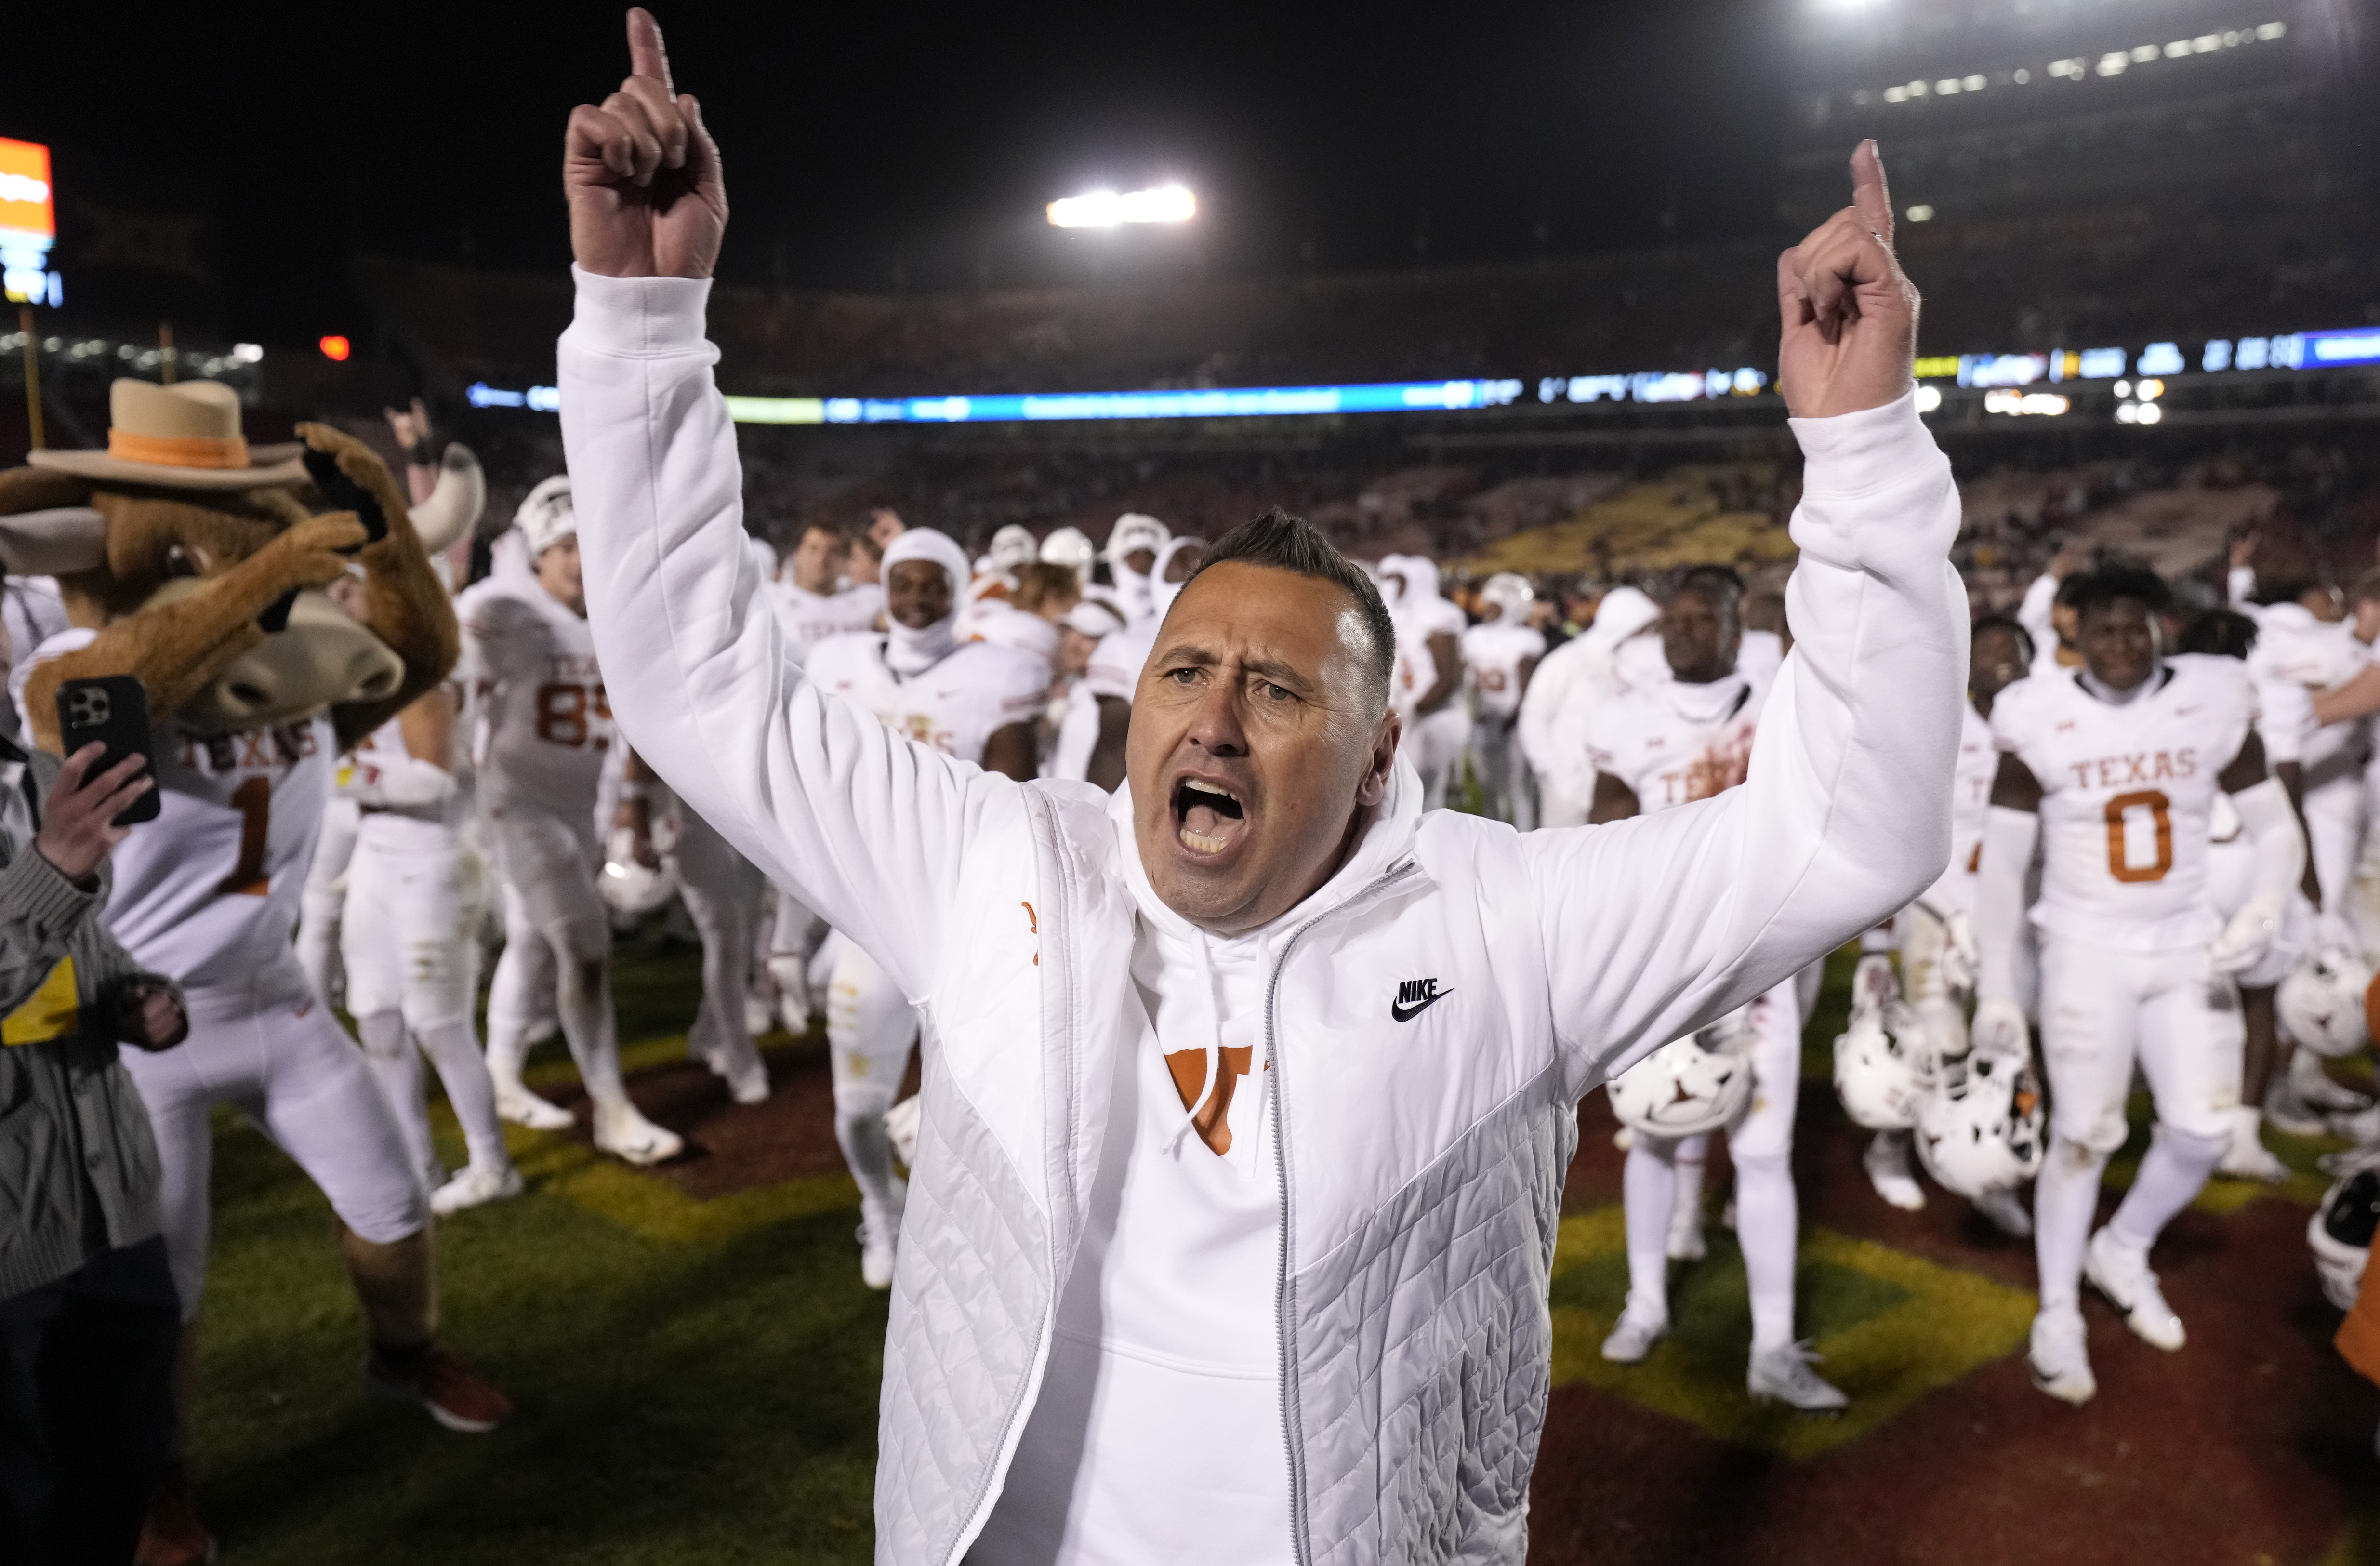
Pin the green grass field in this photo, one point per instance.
(684, 1397)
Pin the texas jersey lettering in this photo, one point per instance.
(1673, 744)
(2127, 795)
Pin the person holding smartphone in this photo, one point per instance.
(89, 1320)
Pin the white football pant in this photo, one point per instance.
(288, 1067)
(553, 914)
(1503, 771)
(411, 942)
(869, 1029)
(1435, 743)
(1760, 1144)
(721, 890)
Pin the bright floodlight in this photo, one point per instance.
(1105, 209)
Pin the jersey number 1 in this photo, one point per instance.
(253, 800)
(2159, 809)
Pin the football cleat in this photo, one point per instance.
(2292, 1116)
(1783, 1374)
(2122, 1274)
(2246, 1157)
(630, 1137)
(1685, 1241)
(2059, 1362)
(517, 1104)
(1633, 1335)
(2006, 1213)
(475, 1187)
(438, 1382)
(744, 1073)
(757, 1018)
(1886, 1162)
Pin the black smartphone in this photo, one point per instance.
(114, 711)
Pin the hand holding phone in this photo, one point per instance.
(113, 711)
(83, 815)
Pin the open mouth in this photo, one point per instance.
(1208, 817)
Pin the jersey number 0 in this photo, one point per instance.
(2119, 863)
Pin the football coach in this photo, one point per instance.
(1249, 1092)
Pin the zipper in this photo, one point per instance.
(1282, 1299)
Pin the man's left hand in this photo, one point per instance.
(1851, 314)
(149, 1015)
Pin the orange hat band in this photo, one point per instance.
(178, 451)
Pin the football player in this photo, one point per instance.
(408, 939)
(1131, 555)
(1661, 745)
(1429, 670)
(545, 727)
(975, 700)
(2113, 770)
(1937, 933)
(811, 601)
(1114, 668)
(1500, 654)
(1568, 686)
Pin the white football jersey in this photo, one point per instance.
(542, 721)
(1004, 624)
(1673, 744)
(405, 828)
(2297, 656)
(956, 706)
(1492, 656)
(1116, 663)
(2127, 799)
(808, 618)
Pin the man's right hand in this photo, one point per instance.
(79, 813)
(641, 174)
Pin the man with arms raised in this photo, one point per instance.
(1253, 1087)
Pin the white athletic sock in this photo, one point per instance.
(867, 1149)
(584, 998)
(1686, 1208)
(396, 1066)
(2170, 1177)
(1767, 1225)
(463, 1073)
(511, 1011)
(2065, 1199)
(1650, 1187)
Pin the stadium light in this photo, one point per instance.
(1105, 209)
(335, 348)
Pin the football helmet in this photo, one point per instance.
(1980, 1130)
(1885, 1066)
(545, 517)
(1512, 594)
(1070, 547)
(2321, 1002)
(2339, 1235)
(1134, 530)
(1013, 546)
(1689, 1086)
(630, 887)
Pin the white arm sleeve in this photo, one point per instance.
(1655, 925)
(2009, 839)
(864, 827)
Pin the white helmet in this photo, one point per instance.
(1134, 530)
(2322, 1001)
(630, 887)
(1013, 546)
(1070, 547)
(1980, 1130)
(1885, 1066)
(1689, 1086)
(545, 517)
(1511, 592)
(2339, 1235)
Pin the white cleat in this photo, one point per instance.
(793, 1011)
(630, 1137)
(2289, 1115)
(744, 1073)
(1784, 1374)
(757, 1018)
(517, 1104)
(2060, 1364)
(879, 1240)
(1886, 1162)
(2006, 1213)
(1633, 1335)
(2122, 1274)
(475, 1187)
(2248, 1158)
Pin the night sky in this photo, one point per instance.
(870, 146)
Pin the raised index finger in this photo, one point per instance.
(1869, 193)
(646, 54)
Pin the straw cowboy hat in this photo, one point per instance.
(179, 437)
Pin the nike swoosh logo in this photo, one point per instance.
(1408, 1013)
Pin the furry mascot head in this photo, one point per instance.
(200, 565)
